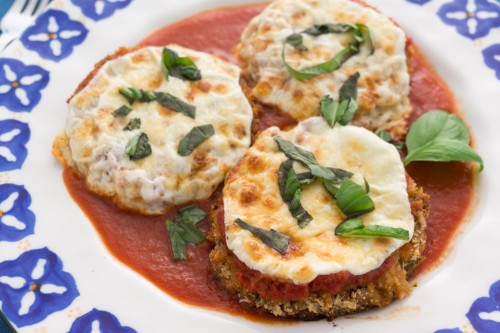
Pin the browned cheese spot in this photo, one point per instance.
(248, 194)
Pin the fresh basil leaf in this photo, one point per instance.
(301, 155)
(190, 233)
(322, 68)
(355, 228)
(177, 244)
(167, 60)
(349, 89)
(175, 104)
(384, 135)
(436, 124)
(347, 107)
(444, 150)
(330, 188)
(138, 95)
(192, 214)
(321, 29)
(305, 177)
(138, 147)
(133, 124)
(181, 67)
(296, 41)
(342, 111)
(439, 136)
(271, 238)
(194, 138)
(352, 200)
(329, 110)
(366, 36)
(340, 174)
(295, 152)
(122, 111)
(289, 185)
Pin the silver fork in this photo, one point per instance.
(18, 18)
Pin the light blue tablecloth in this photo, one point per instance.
(4, 7)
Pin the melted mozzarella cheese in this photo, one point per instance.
(153, 184)
(384, 82)
(251, 193)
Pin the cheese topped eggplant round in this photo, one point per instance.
(384, 80)
(251, 193)
(133, 154)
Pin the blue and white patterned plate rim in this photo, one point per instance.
(57, 276)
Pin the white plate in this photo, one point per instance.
(462, 40)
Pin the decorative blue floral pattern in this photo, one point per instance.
(482, 311)
(472, 20)
(100, 9)
(492, 58)
(419, 2)
(54, 35)
(33, 286)
(449, 330)
(99, 321)
(16, 219)
(21, 85)
(13, 138)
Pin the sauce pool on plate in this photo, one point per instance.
(142, 242)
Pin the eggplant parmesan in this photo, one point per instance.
(320, 29)
(152, 141)
(320, 274)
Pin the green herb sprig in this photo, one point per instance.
(353, 227)
(291, 192)
(440, 136)
(183, 230)
(164, 99)
(180, 67)
(194, 138)
(360, 35)
(138, 147)
(134, 123)
(341, 111)
(271, 238)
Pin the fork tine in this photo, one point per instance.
(42, 4)
(16, 7)
(30, 6)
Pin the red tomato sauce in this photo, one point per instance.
(142, 242)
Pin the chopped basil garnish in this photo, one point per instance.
(138, 95)
(122, 111)
(138, 147)
(306, 177)
(355, 228)
(384, 135)
(191, 214)
(184, 230)
(360, 34)
(271, 238)
(296, 41)
(175, 104)
(343, 110)
(194, 138)
(298, 154)
(164, 99)
(133, 124)
(387, 137)
(180, 67)
(322, 29)
(352, 200)
(440, 136)
(291, 193)
(177, 244)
